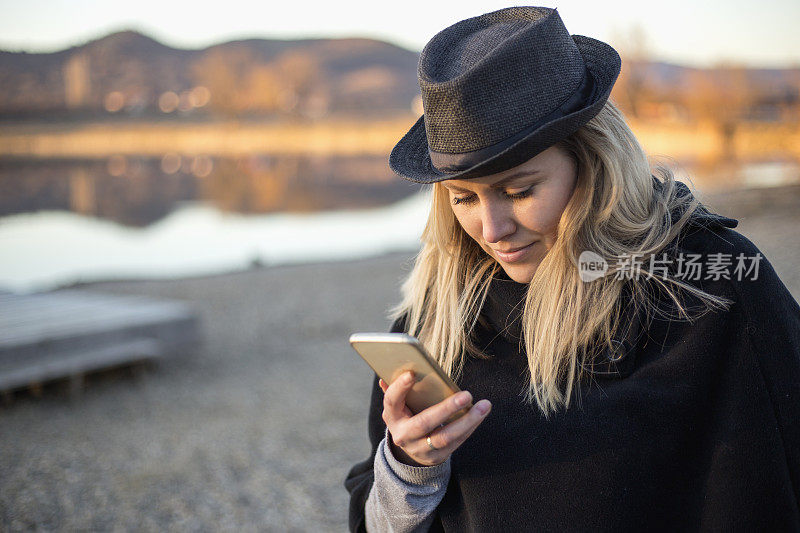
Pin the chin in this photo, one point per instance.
(520, 273)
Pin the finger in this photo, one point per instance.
(445, 440)
(455, 433)
(394, 399)
(383, 385)
(426, 421)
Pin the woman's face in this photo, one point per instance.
(513, 215)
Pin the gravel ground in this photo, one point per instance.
(253, 431)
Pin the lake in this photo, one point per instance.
(72, 220)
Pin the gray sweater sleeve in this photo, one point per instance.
(403, 497)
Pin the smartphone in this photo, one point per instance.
(392, 354)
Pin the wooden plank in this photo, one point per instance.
(74, 363)
(101, 319)
(33, 356)
(35, 303)
(64, 316)
(69, 333)
(56, 310)
(22, 305)
(171, 334)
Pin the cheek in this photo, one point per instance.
(545, 214)
(470, 224)
(541, 217)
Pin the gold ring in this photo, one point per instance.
(430, 444)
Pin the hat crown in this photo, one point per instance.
(499, 89)
(487, 78)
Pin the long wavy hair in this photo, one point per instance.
(614, 211)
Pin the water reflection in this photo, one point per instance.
(49, 249)
(138, 191)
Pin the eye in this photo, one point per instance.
(521, 194)
(459, 200)
(472, 198)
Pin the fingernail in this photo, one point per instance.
(483, 406)
(463, 398)
(408, 377)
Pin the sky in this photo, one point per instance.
(690, 32)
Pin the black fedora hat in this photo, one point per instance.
(498, 89)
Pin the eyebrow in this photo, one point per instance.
(499, 184)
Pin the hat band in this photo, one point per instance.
(453, 163)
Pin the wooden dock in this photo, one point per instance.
(69, 333)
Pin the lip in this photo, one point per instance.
(514, 254)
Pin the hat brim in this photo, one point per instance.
(411, 159)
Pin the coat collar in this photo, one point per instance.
(504, 304)
(701, 216)
(503, 311)
(506, 300)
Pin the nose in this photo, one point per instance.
(497, 221)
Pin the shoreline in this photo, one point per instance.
(350, 135)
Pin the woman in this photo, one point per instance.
(632, 361)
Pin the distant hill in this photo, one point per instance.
(725, 94)
(130, 74)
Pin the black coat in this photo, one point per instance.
(696, 426)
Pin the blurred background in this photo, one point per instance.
(216, 180)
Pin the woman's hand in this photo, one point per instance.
(410, 432)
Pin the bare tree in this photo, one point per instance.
(632, 87)
(724, 96)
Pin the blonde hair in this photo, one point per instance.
(613, 212)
